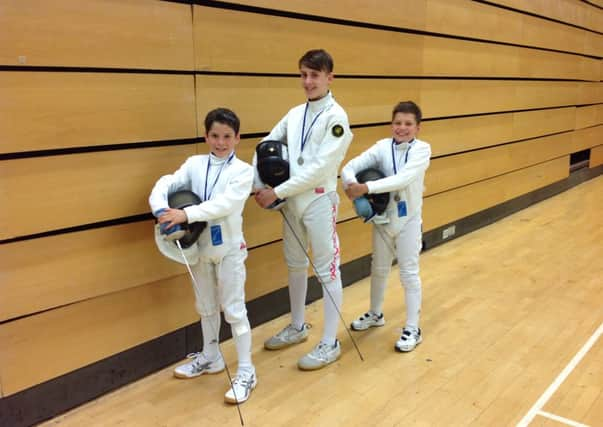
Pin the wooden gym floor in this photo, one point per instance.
(511, 317)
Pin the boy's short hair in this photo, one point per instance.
(408, 107)
(224, 116)
(317, 59)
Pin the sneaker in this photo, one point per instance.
(321, 356)
(242, 385)
(368, 320)
(408, 340)
(199, 365)
(288, 336)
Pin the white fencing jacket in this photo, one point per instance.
(224, 192)
(404, 182)
(327, 137)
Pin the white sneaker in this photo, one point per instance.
(321, 356)
(199, 365)
(408, 340)
(288, 336)
(368, 320)
(242, 385)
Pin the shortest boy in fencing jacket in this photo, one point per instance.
(403, 159)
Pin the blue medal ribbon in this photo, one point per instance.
(208, 196)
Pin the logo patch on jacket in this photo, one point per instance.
(337, 131)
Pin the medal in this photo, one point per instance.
(397, 197)
(300, 160)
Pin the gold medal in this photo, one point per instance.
(397, 197)
(300, 160)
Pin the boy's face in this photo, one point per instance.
(315, 83)
(404, 127)
(221, 139)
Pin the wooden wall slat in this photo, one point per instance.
(590, 93)
(39, 274)
(451, 17)
(78, 334)
(570, 11)
(449, 206)
(64, 33)
(596, 156)
(462, 169)
(587, 138)
(48, 193)
(589, 116)
(262, 101)
(43, 110)
(261, 36)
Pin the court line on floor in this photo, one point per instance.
(525, 421)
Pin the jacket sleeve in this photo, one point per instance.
(418, 161)
(368, 159)
(331, 152)
(167, 184)
(223, 204)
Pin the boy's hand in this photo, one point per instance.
(355, 190)
(171, 217)
(265, 197)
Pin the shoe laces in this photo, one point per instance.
(243, 380)
(320, 351)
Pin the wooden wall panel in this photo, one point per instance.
(259, 40)
(262, 101)
(588, 137)
(48, 193)
(47, 272)
(261, 36)
(64, 33)
(596, 156)
(468, 133)
(462, 169)
(40, 111)
(573, 12)
(78, 334)
(397, 14)
(590, 93)
(449, 206)
(451, 17)
(589, 116)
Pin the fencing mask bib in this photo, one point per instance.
(187, 234)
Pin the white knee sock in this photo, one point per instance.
(210, 326)
(243, 345)
(331, 315)
(298, 287)
(378, 285)
(413, 296)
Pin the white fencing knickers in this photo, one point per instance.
(316, 227)
(407, 245)
(221, 284)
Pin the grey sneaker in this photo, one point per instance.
(321, 356)
(199, 365)
(408, 340)
(368, 320)
(242, 385)
(288, 336)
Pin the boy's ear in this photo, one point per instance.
(330, 77)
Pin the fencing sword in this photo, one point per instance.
(321, 282)
(188, 267)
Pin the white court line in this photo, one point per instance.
(561, 419)
(527, 419)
